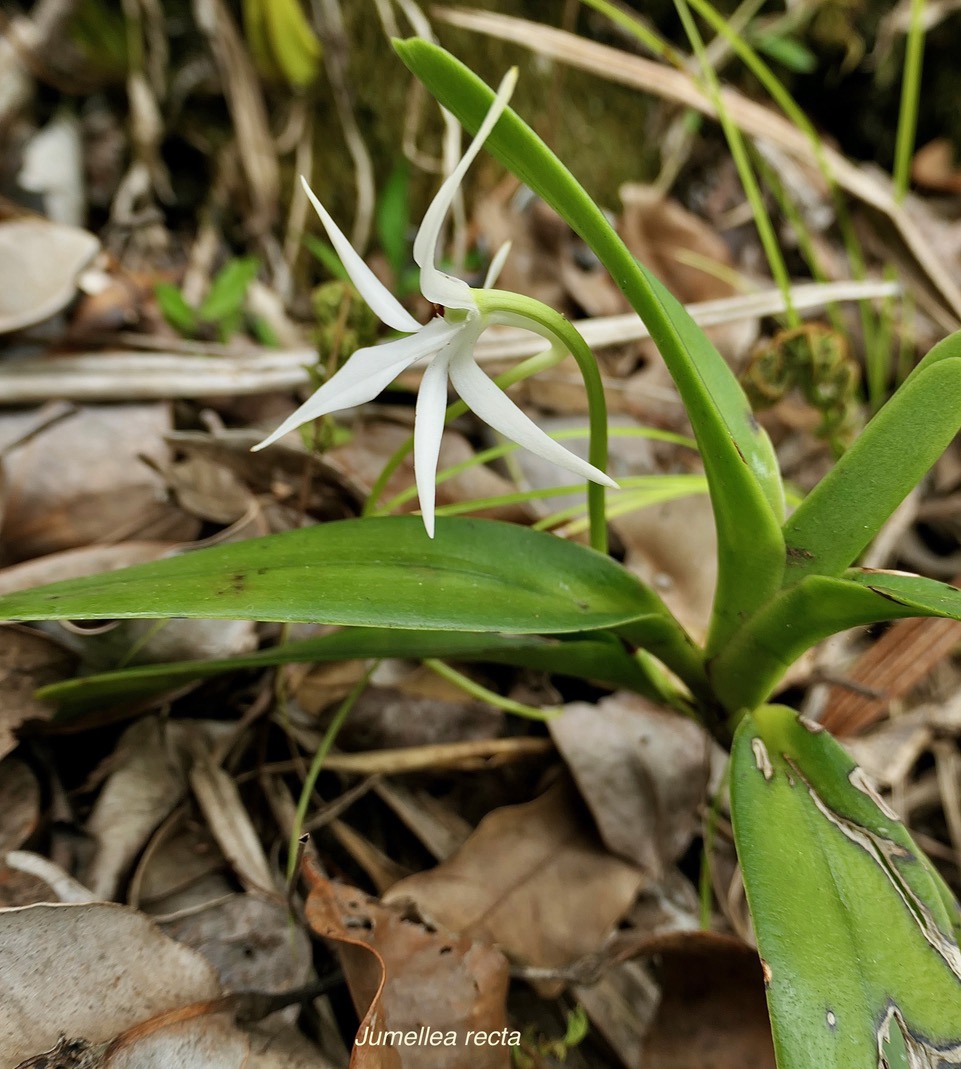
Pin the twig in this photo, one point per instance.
(134, 376)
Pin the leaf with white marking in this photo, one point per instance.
(857, 931)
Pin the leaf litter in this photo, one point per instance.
(523, 873)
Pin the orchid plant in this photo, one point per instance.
(857, 930)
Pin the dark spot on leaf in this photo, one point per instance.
(797, 555)
(887, 597)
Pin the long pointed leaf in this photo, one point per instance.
(857, 931)
(748, 669)
(476, 575)
(848, 506)
(600, 657)
(741, 467)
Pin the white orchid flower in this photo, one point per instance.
(448, 338)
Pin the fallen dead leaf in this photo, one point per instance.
(84, 479)
(643, 773)
(672, 546)
(531, 879)
(230, 824)
(28, 660)
(934, 167)
(406, 976)
(713, 1010)
(687, 255)
(39, 265)
(250, 941)
(88, 971)
(149, 780)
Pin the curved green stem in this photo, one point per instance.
(513, 309)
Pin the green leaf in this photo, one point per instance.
(746, 672)
(393, 219)
(848, 506)
(327, 257)
(476, 575)
(296, 49)
(175, 309)
(599, 657)
(857, 931)
(788, 51)
(741, 467)
(229, 289)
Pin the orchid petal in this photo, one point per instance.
(435, 285)
(429, 430)
(496, 409)
(381, 301)
(366, 374)
(497, 265)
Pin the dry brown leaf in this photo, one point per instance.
(249, 941)
(20, 809)
(39, 264)
(74, 563)
(531, 879)
(407, 977)
(686, 254)
(150, 779)
(84, 479)
(229, 823)
(28, 660)
(713, 1011)
(672, 546)
(209, 490)
(19, 804)
(643, 773)
(102, 981)
(934, 167)
(88, 971)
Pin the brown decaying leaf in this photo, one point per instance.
(713, 1010)
(249, 941)
(90, 971)
(20, 806)
(28, 660)
(686, 254)
(406, 976)
(83, 479)
(673, 547)
(934, 167)
(39, 264)
(230, 824)
(643, 773)
(887, 670)
(532, 879)
(149, 780)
